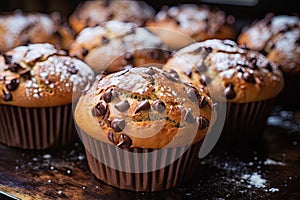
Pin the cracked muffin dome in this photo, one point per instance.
(23, 28)
(238, 74)
(38, 75)
(93, 13)
(144, 108)
(118, 45)
(278, 37)
(179, 26)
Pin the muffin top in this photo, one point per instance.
(92, 13)
(278, 37)
(200, 22)
(23, 28)
(38, 75)
(117, 44)
(145, 108)
(240, 75)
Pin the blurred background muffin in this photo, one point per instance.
(37, 86)
(20, 28)
(278, 37)
(149, 126)
(117, 45)
(190, 23)
(93, 13)
(245, 79)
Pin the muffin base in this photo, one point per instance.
(177, 173)
(245, 122)
(36, 128)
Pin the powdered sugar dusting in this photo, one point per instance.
(255, 180)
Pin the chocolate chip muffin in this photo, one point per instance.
(118, 45)
(245, 79)
(278, 37)
(144, 116)
(93, 13)
(179, 26)
(37, 85)
(23, 28)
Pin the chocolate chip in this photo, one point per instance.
(124, 141)
(177, 22)
(170, 77)
(173, 73)
(15, 67)
(111, 136)
(104, 40)
(248, 77)
(7, 96)
(118, 124)
(229, 92)
(109, 95)
(72, 70)
(25, 74)
(203, 102)
(269, 67)
(12, 85)
(99, 110)
(84, 51)
(193, 93)
(122, 106)
(150, 71)
(159, 106)
(229, 43)
(144, 105)
(203, 122)
(204, 80)
(240, 69)
(7, 58)
(208, 49)
(253, 62)
(188, 116)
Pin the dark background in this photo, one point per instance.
(67, 6)
(243, 14)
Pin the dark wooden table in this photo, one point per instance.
(269, 169)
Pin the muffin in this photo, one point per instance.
(23, 28)
(118, 45)
(37, 83)
(245, 79)
(142, 128)
(179, 26)
(92, 13)
(278, 37)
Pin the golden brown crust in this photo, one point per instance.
(92, 13)
(23, 28)
(154, 109)
(239, 74)
(278, 38)
(38, 75)
(115, 45)
(198, 23)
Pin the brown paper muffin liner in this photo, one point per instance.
(179, 172)
(36, 128)
(245, 121)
